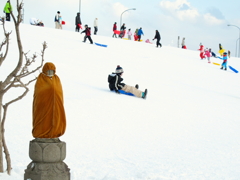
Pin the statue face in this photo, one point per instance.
(50, 73)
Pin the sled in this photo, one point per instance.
(102, 45)
(125, 38)
(117, 32)
(80, 26)
(126, 93)
(234, 70)
(63, 22)
(216, 64)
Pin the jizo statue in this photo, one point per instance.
(49, 120)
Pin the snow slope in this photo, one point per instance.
(187, 128)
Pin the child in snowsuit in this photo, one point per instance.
(129, 33)
(224, 58)
(87, 32)
(115, 83)
(208, 54)
(201, 49)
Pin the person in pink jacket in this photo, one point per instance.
(208, 55)
(129, 33)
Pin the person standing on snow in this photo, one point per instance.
(140, 33)
(208, 55)
(78, 22)
(115, 84)
(183, 43)
(87, 32)
(7, 10)
(95, 26)
(114, 29)
(129, 33)
(122, 31)
(158, 37)
(201, 49)
(58, 21)
(224, 58)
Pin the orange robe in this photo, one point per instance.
(49, 120)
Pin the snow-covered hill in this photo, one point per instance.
(187, 128)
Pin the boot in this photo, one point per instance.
(144, 94)
(225, 69)
(221, 67)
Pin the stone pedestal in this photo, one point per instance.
(47, 157)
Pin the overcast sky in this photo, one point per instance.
(197, 21)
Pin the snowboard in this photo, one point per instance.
(234, 70)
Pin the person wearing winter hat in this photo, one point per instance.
(7, 10)
(78, 22)
(115, 83)
(224, 58)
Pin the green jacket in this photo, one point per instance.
(7, 8)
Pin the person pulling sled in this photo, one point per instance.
(115, 84)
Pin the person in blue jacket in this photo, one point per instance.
(140, 33)
(224, 58)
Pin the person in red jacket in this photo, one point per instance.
(201, 49)
(87, 32)
(114, 29)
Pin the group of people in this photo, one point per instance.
(207, 53)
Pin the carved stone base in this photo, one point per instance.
(47, 164)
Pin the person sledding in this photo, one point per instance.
(116, 84)
(224, 58)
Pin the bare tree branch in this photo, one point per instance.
(5, 42)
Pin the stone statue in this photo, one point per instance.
(49, 120)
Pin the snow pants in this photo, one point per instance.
(224, 64)
(202, 55)
(132, 90)
(89, 38)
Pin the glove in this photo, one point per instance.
(117, 91)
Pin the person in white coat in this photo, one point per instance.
(129, 33)
(33, 21)
(95, 26)
(58, 22)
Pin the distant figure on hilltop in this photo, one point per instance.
(224, 58)
(221, 50)
(158, 37)
(122, 31)
(115, 84)
(129, 33)
(95, 26)
(7, 10)
(58, 20)
(33, 21)
(208, 55)
(140, 33)
(114, 29)
(183, 42)
(78, 22)
(201, 49)
(229, 53)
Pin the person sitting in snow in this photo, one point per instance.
(115, 84)
(224, 58)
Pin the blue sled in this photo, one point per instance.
(103, 45)
(234, 70)
(126, 93)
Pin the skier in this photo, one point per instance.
(158, 37)
(140, 33)
(7, 10)
(115, 83)
(114, 29)
(87, 32)
(78, 22)
(224, 58)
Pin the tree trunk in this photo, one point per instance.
(1, 144)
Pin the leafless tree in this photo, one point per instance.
(15, 79)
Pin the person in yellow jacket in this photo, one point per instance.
(221, 50)
(7, 10)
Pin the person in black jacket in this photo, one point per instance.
(158, 37)
(122, 31)
(78, 22)
(116, 84)
(87, 32)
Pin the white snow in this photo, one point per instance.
(186, 129)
